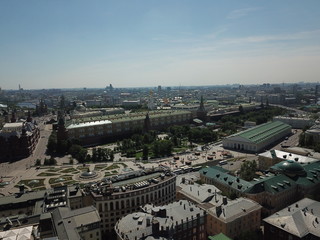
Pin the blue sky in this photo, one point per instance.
(77, 43)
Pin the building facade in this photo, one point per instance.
(18, 140)
(272, 157)
(180, 220)
(230, 217)
(295, 122)
(258, 138)
(116, 200)
(96, 130)
(233, 217)
(288, 182)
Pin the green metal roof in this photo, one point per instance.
(219, 236)
(272, 183)
(264, 131)
(221, 175)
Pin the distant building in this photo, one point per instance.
(41, 108)
(96, 130)
(18, 140)
(314, 133)
(201, 112)
(300, 220)
(249, 124)
(295, 122)
(131, 103)
(258, 138)
(178, 220)
(96, 112)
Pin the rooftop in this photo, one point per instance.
(230, 210)
(287, 156)
(262, 132)
(219, 236)
(67, 221)
(101, 120)
(166, 217)
(270, 183)
(299, 219)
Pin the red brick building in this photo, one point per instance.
(18, 140)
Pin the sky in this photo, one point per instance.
(146, 43)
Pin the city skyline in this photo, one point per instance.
(76, 44)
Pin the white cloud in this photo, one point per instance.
(278, 37)
(238, 13)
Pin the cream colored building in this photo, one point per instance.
(258, 138)
(230, 217)
(98, 129)
(124, 197)
(233, 217)
(272, 157)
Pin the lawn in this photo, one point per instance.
(47, 174)
(62, 179)
(138, 155)
(39, 189)
(69, 170)
(33, 183)
(113, 166)
(100, 166)
(180, 149)
(53, 169)
(106, 174)
(83, 169)
(123, 164)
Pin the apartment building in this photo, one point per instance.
(180, 220)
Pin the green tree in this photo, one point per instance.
(156, 149)
(52, 143)
(241, 110)
(248, 170)
(145, 152)
(38, 162)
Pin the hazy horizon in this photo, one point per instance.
(77, 44)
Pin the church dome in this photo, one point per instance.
(291, 168)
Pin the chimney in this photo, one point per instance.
(218, 210)
(155, 227)
(225, 201)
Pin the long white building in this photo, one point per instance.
(258, 138)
